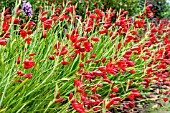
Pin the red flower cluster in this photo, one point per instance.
(28, 63)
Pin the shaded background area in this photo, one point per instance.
(161, 7)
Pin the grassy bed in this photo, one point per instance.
(65, 63)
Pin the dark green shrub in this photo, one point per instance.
(161, 8)
(132, 6)
(129, 5)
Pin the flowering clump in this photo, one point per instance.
(27, 8)
(67, 63)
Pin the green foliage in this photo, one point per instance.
(131, 6)
(161, 8)
(50, 78)
(7, 3)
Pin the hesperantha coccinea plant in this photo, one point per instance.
(65, 63)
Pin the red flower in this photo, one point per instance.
(88, 46)
(28, 40)
(165, 99)
(134, 32)
(18, 11)
(16, 21)
(82, 39)
(63, 51)
(103, 59)
(132, 71)
(131, 104)
(130, 63)
(29, 75)
(64, 62)
(63, 17)
(18, 60)
(114, 100)
(69, 9)
(129, 38)
(3, 42)
(44, 33)
(78, 83)
(69, 2)
(88, 29)
(78, 107)
(31, 24)
(7, 35)
(71, 95)
(119, 45)
(6, 11)
(32, 54)
(81, 64)
(28, 63)
(89, 60)
(153, 29)
(51, 57)
(29, 32)
(20, 81)
(5, 26)
(115, 89)
(103, 31)
(23, 33)
(139, 23)
(48, 24)
(131, 96)
(99, 12)
(59, 100)
(93, 56)
(95, 38)
(122, 64)
(44, 13)
(20, 73)
(23, 25)
(96, 109)
(43, 18)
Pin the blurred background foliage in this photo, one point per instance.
(161, 7)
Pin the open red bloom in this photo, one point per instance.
(63, 51)
(78, 107)
(88, 46)
(16, 21)
(99, 12)
(78, 83)
(139, 23)
(131, 96)
(28, 63)
(165, 99)
(70, 9)
(115, 89)
(23, 33)
(3, 42)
